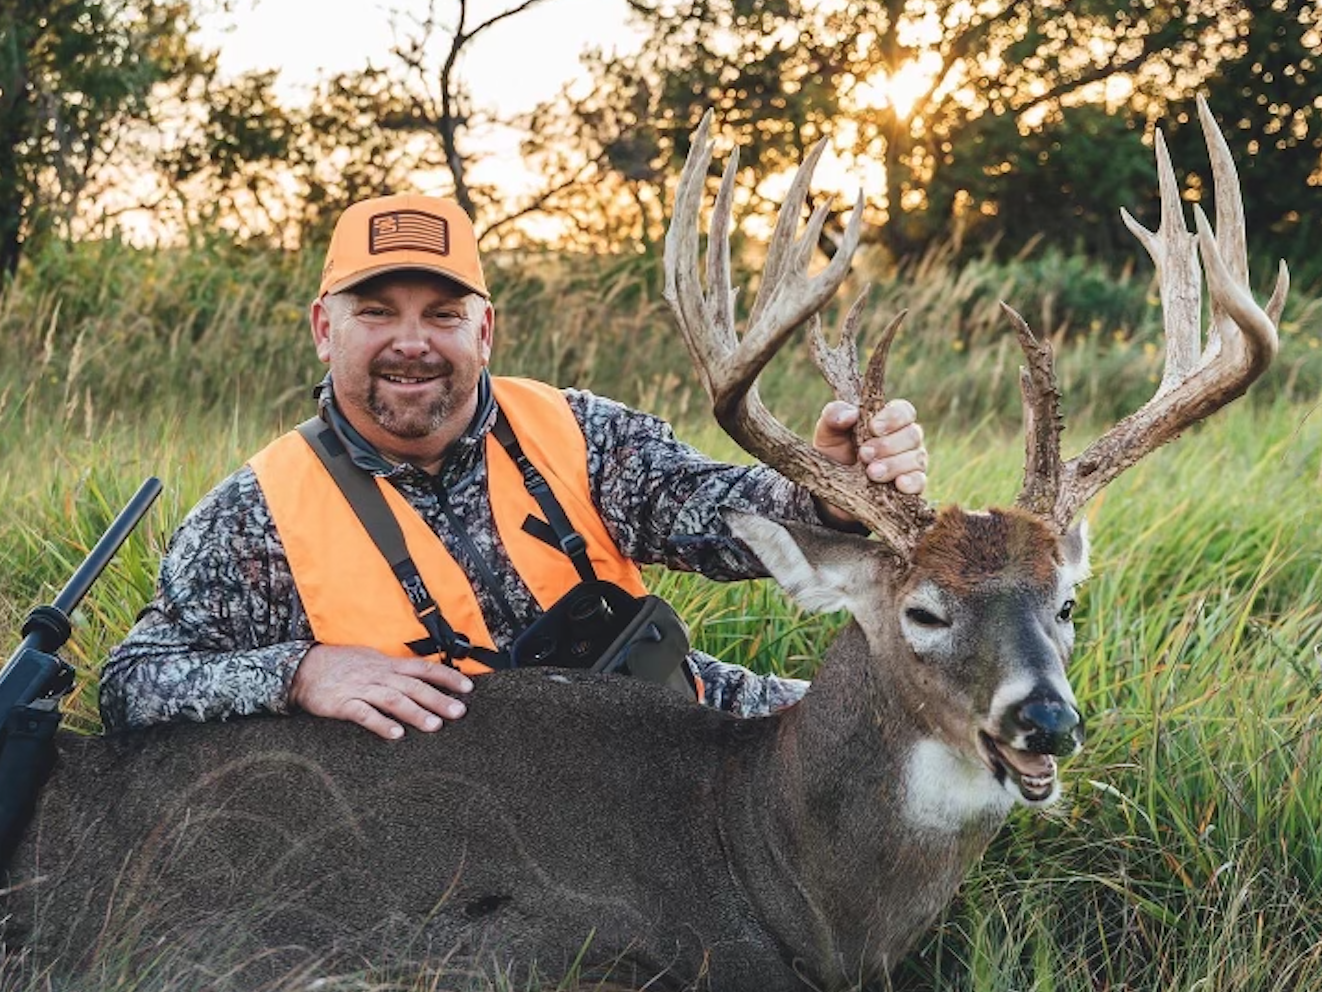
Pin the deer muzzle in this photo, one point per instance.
(1022, 750)
(1048, 725)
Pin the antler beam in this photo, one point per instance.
(729, 365)
(1197, 380)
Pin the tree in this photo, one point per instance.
(289, 171)
(75, 77)
(919, 86)
(1265, 94)
(1064, 182)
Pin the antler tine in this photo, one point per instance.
(781, 246)
(1172, 250)
(1042, 420)
(787, 298)
(1198, 380)
(839, 365)
(683, 289)
(874, 379)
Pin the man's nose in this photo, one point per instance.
(411, 338)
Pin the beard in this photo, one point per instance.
(451, 388)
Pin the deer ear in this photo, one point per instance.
(821, 569)
(1074, 546)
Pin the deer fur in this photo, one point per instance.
(597, 819)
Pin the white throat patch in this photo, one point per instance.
(944, 790)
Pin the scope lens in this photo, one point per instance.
(588, 609)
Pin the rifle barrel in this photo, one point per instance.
(99, 557)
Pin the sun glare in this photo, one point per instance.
(902, 90)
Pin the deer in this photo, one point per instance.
(606, 826)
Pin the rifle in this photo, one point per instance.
(35, 679)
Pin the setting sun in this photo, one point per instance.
(901, 90)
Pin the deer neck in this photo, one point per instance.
(870, 814)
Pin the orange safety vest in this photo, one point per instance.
(348, 590)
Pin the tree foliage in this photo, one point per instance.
(75, 77)
(1267, 94)
(992, 122)
(987, 123)
(287, 171)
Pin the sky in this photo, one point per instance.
(511, 66)
(508, 68)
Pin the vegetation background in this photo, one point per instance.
(1187, 853)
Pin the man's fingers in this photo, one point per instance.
(401, 702)
(833, 434)
(433, 672)
(839, 415)
(361, 712)
(431, 700)
(906, 440)
(891, 469)
(379, 693)
(893, 416)
(913, 483)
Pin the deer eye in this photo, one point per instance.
(1066, 611)
(925, 618)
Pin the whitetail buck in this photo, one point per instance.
(568, 815)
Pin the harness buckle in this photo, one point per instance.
(573, 544)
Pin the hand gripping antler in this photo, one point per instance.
(729, 365)
(1197, 381)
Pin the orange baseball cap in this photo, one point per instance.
(403, 231)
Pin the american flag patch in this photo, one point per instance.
(408, 230)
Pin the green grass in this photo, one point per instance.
(1187, 852)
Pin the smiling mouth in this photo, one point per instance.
(1033, 774)
(408, 380)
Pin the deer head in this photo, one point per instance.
(971, 621)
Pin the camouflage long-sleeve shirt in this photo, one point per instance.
(226, 629)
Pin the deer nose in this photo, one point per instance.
(1050, 725)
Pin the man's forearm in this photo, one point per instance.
(148, 683)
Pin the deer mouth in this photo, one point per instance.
(1033, 774)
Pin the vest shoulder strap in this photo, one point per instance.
(364, 495)
(569, 540)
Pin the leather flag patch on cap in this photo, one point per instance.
(408, 230)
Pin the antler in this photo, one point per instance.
(1197, 381)
(729, 365)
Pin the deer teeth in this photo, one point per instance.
(1034, 774)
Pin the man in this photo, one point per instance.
(272, 597)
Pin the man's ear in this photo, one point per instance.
(319, 318)
(488, 329)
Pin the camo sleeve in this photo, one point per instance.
(661, 499)
(225, 630)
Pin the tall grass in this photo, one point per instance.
(1187, 853)
(96, 332)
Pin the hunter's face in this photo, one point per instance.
(406, 351)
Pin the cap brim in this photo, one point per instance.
(363, 275)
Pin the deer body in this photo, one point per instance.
(565, 814)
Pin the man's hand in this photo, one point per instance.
(377, 691)
(895, 453)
